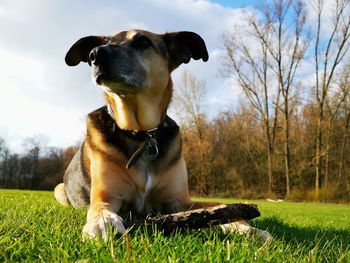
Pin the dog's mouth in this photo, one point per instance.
(121, 83)
(98, 79)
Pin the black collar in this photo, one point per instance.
(149, 145)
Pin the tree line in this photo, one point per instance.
(289, 138)
(227, 157)
(40, 167)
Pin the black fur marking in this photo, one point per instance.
(76, 180)
(128, 142)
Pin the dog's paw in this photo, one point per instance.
(100, 227)
(243, 228)
(240, 228)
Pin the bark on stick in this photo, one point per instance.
(199, 218)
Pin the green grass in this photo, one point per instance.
(33, 227)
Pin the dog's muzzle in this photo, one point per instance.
(117, 67)
(100, 54)
(99, 59)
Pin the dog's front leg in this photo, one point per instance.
(106, 199)
(101, 219)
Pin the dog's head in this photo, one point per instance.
(135, 60)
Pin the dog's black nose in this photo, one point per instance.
(99, 54)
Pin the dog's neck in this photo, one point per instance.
(142, 111)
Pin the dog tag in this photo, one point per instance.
(152, 149)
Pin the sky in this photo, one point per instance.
(41, 95)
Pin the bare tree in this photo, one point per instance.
(336, 100)
(329, 52)
(14, 170)
(287, 48)
(189, 95)
(4, 163)
(2, 145)
(277, 53)
(249, 64)
(337, 109)
(35, 146)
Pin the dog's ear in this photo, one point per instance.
(81, 49)
(184, 45)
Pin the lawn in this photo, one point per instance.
(33, 227)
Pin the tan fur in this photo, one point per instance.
(145, 109)
(61, 195)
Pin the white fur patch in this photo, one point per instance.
(243, 228)
(149, 182)
(140, 202)
(100, 227)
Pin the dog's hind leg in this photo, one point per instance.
(240, 227)
(60, 195)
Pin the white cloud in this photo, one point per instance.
(327, 16)
(12, 65)
(23, 116)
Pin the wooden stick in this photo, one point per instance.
(199, 218)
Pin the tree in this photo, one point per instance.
(189, 95)
(35, 145)
(2, 145)
(344, 108)
(329, 52)
(249, 64)
(287, 48)
(13, 170)
(4, 163)
(267, 51)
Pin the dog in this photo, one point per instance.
(131, 159)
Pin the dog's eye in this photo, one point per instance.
(141, 42)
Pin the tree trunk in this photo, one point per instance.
(286, 146)
(270, 172)
(35, 169)
(329, 124)
(342, 149)
(269, 148)
(318, 155)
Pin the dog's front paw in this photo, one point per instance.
(243, 228)
(100, 227)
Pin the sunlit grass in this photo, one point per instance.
(33, 227)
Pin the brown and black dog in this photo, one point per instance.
(131, 159)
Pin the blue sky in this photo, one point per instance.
(41, 95)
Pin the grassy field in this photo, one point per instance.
(33, 227)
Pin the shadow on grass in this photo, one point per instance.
(295, 235)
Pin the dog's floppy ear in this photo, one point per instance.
(81, 49)
(184, 45)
